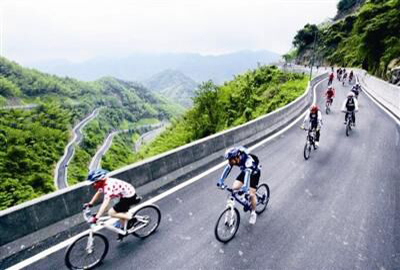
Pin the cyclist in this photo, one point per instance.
(315, 120)
(350, 105)
(356, 89)
(248, 177)
(351, 76)
(330, 94)
(331, 76)
(344, 77)
(112, 188)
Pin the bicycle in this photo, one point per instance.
(229, 220)
(328, 104)
(310, 142)
(90, 249)
(349, 122)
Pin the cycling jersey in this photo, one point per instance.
(249, 165)
(350, 105)
(314, 119)
(115, 188)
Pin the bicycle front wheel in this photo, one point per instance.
(262, 198)
(307, 151)
(82, 254)
(227, 225)
(348, 129)
(149, 215)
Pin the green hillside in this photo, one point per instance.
(368, 38)
(216, 108)
(32, 141)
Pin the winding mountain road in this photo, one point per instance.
(338, 210)
(60, 177)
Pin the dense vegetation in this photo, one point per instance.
(32, 141)
(216, 108)
(369, 38)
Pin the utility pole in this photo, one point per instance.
(313, 53)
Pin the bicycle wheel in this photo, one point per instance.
(80, 256)
(307, 150)
(328, 110)
(262, 198)
(149, 214)
(348, 129)
(227, 225)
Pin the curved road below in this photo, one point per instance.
(338, 210)
(60, 177)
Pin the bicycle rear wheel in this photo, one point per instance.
(307, 151)
(262, 198)
(80, 255)
(149, 214)
(227, 225)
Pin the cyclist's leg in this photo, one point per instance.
(353, 116)
(254, 179)
(238, 182)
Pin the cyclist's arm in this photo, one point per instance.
(247, 173)
(319, 118)
(103, 206)
(344, 109)
(355, 105)
(306, 119)
(225, 173)
(95, 197)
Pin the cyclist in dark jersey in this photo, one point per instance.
(248, 178)
(350, 105)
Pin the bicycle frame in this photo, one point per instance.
(102, 221)
(242, 199)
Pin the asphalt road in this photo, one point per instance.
(61, 177)
(338, 210)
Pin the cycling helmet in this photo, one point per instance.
(96, 175)
(232, 153)
(350, 95)
(314, 108)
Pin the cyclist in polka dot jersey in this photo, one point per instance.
(112, 188)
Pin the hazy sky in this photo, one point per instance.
(76, 30)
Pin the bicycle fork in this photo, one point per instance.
(89, 246)
(229, 220)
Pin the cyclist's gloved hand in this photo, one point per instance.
(302, 126)
(92, 220)
(87, 205)
(221, 184)
(243, 189)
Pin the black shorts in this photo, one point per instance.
(254, 178)
(125, 203)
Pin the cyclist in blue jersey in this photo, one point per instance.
(247, 180)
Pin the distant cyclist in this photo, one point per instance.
(330, 94)
(314, 118)
(331, 76)
(351, 75)
(112, 188)
(248, 177)
(350, 106)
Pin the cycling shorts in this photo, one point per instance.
(125, 203)
(254, 178)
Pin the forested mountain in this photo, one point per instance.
(141, 66)
(32, 141)
(368, 38)
(216, 108)
(174, 85)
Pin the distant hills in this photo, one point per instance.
(141, 66)
(174, 85)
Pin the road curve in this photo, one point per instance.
(338, 210)
(60, 176)
(95, 162)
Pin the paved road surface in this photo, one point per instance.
(338, 210)
(60, 177)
